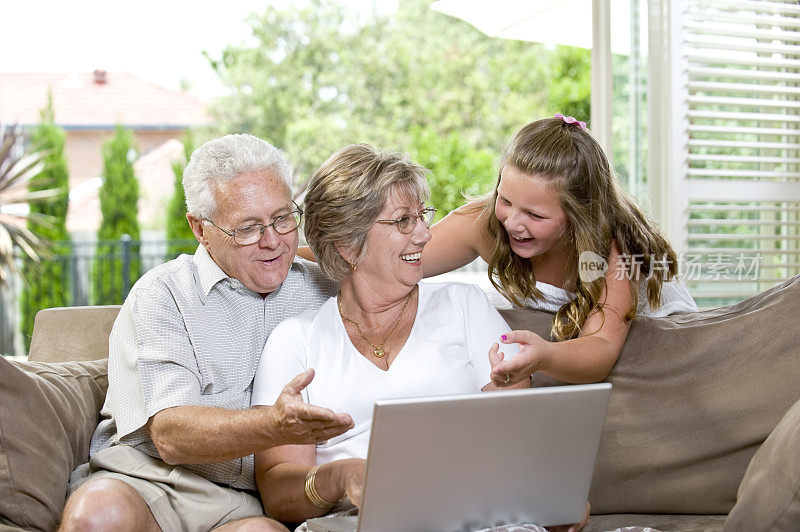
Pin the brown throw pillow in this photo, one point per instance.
(769, 496)
(694, 397)
(48, 413)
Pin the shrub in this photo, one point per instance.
(112, 273)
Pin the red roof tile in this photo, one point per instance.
(80, 102)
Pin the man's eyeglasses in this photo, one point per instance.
(250, 234)
(406, 223)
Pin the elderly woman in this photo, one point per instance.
(384, 336)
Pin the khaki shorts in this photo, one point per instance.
(179, 499)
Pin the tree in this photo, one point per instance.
(47, 283)
(458, 171)
(178, 228)
(318, 78)
(570, 86)
(114, 272)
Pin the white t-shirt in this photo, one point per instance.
(674, 298)
(446, 353)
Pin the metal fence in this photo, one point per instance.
(100, 272)
(79, 273)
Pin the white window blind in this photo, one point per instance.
(740, 190)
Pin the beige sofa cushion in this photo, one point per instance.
(48, 413)
(72, 333)
(769, 495)
(694, 396)
(654, 523)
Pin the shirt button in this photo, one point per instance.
(234, 284)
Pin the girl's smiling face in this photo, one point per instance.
(530, 211)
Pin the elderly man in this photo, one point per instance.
(174, 449)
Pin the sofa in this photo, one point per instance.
(702, 431)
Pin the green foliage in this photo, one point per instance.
(178, 228)
(457, 169)
(49, 139)
(119, 194)
(47, 283)
(570, 86)
(17, 168)
(317, 80)
(118, 205)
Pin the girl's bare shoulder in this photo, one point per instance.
(457, 239)
(473, 220)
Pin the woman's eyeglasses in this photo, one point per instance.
(406, 223)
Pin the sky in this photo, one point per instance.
(160, 40)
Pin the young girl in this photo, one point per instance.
(560, 235)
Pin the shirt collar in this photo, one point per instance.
(208, 272)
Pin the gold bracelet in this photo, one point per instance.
(311, 491)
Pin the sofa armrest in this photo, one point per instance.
(48, 413)
(72, 333)
(769, 495)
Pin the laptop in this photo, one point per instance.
(466, 462)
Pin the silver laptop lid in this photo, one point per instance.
(473, 461)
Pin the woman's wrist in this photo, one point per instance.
(312, 495)
(328, 482)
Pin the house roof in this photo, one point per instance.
(97, 100)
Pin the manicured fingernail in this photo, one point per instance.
(504, 337)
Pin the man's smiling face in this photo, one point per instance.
(252, 198)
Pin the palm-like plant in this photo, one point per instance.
(16, 169)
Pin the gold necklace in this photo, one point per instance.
(376, 350)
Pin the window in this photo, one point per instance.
(724, 139)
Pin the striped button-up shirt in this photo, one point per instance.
(190, 335)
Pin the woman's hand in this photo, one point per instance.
(533, 353)
(350, 473)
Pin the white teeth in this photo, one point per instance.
(411, 256)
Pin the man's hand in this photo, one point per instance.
(293, 422)
(532, 352)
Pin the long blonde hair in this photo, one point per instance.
(599, 212)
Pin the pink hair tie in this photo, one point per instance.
(571, 120)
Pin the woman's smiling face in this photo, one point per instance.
(530, 211)
(391, 256)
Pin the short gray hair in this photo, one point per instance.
(220, 160)
(347, 194)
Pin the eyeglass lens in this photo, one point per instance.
(252, 233)
(407, 223)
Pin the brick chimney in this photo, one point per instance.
(100, 77)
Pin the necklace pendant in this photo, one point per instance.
(378, 352)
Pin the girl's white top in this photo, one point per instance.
(674, 298)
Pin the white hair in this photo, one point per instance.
(220, 160)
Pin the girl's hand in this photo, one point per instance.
(533, 352)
